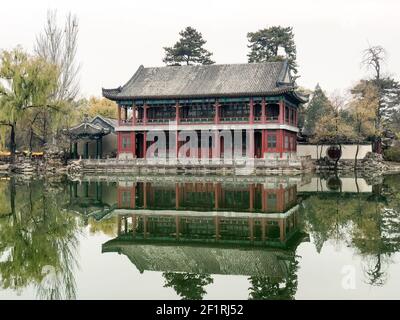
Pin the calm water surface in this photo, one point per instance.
(188, 237)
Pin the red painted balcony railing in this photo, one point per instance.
(257, 119)
(235, 119)
(196, 120)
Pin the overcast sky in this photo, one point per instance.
(116, 36)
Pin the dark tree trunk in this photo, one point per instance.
(13, 146)
(30, 140)
(355, 158)
(377, 145)
(12, 195)
(337, 160)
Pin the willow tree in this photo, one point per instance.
(27, 83)
(58, 43)
(39, 242)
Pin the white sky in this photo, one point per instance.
(116, 36)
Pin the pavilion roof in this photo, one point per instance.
(203, 259)
(249, 79)
(87, 130)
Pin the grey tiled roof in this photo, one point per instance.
(113, 123)
(86, 129)
(205, 81)
(203, 259)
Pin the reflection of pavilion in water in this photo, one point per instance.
(189, 229)
(208, 228)
(204, 212)
(91, 199)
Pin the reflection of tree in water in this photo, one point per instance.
(270, 288)
(379, 233)
(38, 241)
(370, 223)
(189, 286)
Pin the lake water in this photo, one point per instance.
(186, 237)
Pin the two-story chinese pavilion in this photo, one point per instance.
(259, 98)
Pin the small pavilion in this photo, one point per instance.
(89, 131)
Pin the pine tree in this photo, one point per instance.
(188, 50)
(318, 107)
(266, 43)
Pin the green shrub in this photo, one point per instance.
(392, 154)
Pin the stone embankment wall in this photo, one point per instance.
(244, 167)
(371, 164)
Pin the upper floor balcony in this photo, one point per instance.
(209, 113)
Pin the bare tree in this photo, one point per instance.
(59, 46)
(373, 58)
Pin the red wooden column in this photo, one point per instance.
(176, 195)
(263, 198)
(133, 143)
(216, 117)
(281, 112)
(280, 199)
(217, 228)
(118, 143)
(177, 115)
(251, 229)
(177, 143)
(217, 194)
(282, 229)
(145, 195)
(144, 144)
(263, 138)
(280, 142)
(133, 196)
(251, 143)
(263, 229)
(251, 115)
(251, 192)
(217, 147)
(263, 110)
(145, 107)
